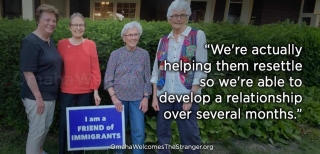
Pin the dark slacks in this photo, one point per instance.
(188, 128)
(70, 100)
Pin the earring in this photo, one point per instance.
(124, 43)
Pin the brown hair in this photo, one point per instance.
(46, 8)
(77, 14)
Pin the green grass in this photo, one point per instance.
(13, 142)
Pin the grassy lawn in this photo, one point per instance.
(13, 142)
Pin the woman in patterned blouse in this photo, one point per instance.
(127, 81)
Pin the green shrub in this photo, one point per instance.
(106, 34)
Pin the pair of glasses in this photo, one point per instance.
(133, 35)
(77, 25)
(176, 16)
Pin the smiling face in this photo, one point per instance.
(178, 19)
(47, 22)
(131, 37)
(77, 27)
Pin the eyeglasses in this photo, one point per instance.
(176, 16)
(77, 25)
(133, 35)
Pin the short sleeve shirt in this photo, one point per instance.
(41, 58)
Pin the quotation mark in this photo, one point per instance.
(207, 46)
(298, 111)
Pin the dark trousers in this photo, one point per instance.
(188, 128)
(70, 100)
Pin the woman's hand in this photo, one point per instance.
(155, 104)
(97, 99)
(33, 85)
(116, 102)
(186, 106)
(40, 105)
(144, 105)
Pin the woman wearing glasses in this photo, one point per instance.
(81, 75)
(127, 80)
(183, 44)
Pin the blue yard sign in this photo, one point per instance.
(94, 128)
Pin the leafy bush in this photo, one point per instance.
(106, 34)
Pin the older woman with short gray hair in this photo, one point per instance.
(127, 81)
(183, 44)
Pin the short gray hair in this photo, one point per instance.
(131, 25)
(179, 5)
(76, 14)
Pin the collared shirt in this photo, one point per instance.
(173, 85)
(128, 72)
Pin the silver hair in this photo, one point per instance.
(76, 14)
(131, 25)
(179, 5)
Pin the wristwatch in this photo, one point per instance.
(146, 96)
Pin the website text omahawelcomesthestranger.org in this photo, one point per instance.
(165, 146)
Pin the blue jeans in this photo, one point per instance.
(132, 111)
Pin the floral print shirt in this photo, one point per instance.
(128, 72)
